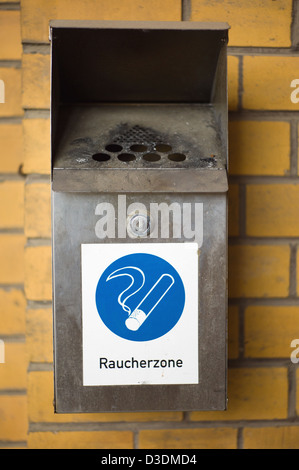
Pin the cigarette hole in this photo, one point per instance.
(151, 157)
(126, 157)
(177, 157)
(101, 157)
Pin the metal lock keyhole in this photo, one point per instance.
(140, 225)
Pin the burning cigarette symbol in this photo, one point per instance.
(149, 302)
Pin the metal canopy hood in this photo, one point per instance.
(131, 98)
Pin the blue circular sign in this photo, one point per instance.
(140, 297)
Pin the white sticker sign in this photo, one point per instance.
(140, 313)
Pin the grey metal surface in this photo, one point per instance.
(74, 224)
(139, 25)
(125, 180)
(144, 84)
(189, 130)
(189, 133)
(137, 62)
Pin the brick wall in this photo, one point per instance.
(263, 227)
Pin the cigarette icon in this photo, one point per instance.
(149, 302)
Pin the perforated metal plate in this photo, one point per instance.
(97, 139)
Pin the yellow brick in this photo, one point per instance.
(233, 332)
(282, 437)
(297, 379)
(12, 204)
(40, 406)
(39, 335)
(10, 35)
(11, 147)
(38, 282)
(37, 156)
(12, 312)
(266, 82)
(13, 370)
(272, 210)
(11, 258)
(233, 82)
(13, 418)
(208, 438)
(13, 99)
(258, 271)
(81, 440)
(269, 330)
(259, 148)
(254, 23)
(37, 210)
(36, 81)
(233, 210)
(37, 13)
(253, 394)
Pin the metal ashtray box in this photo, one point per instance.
(139, 212)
